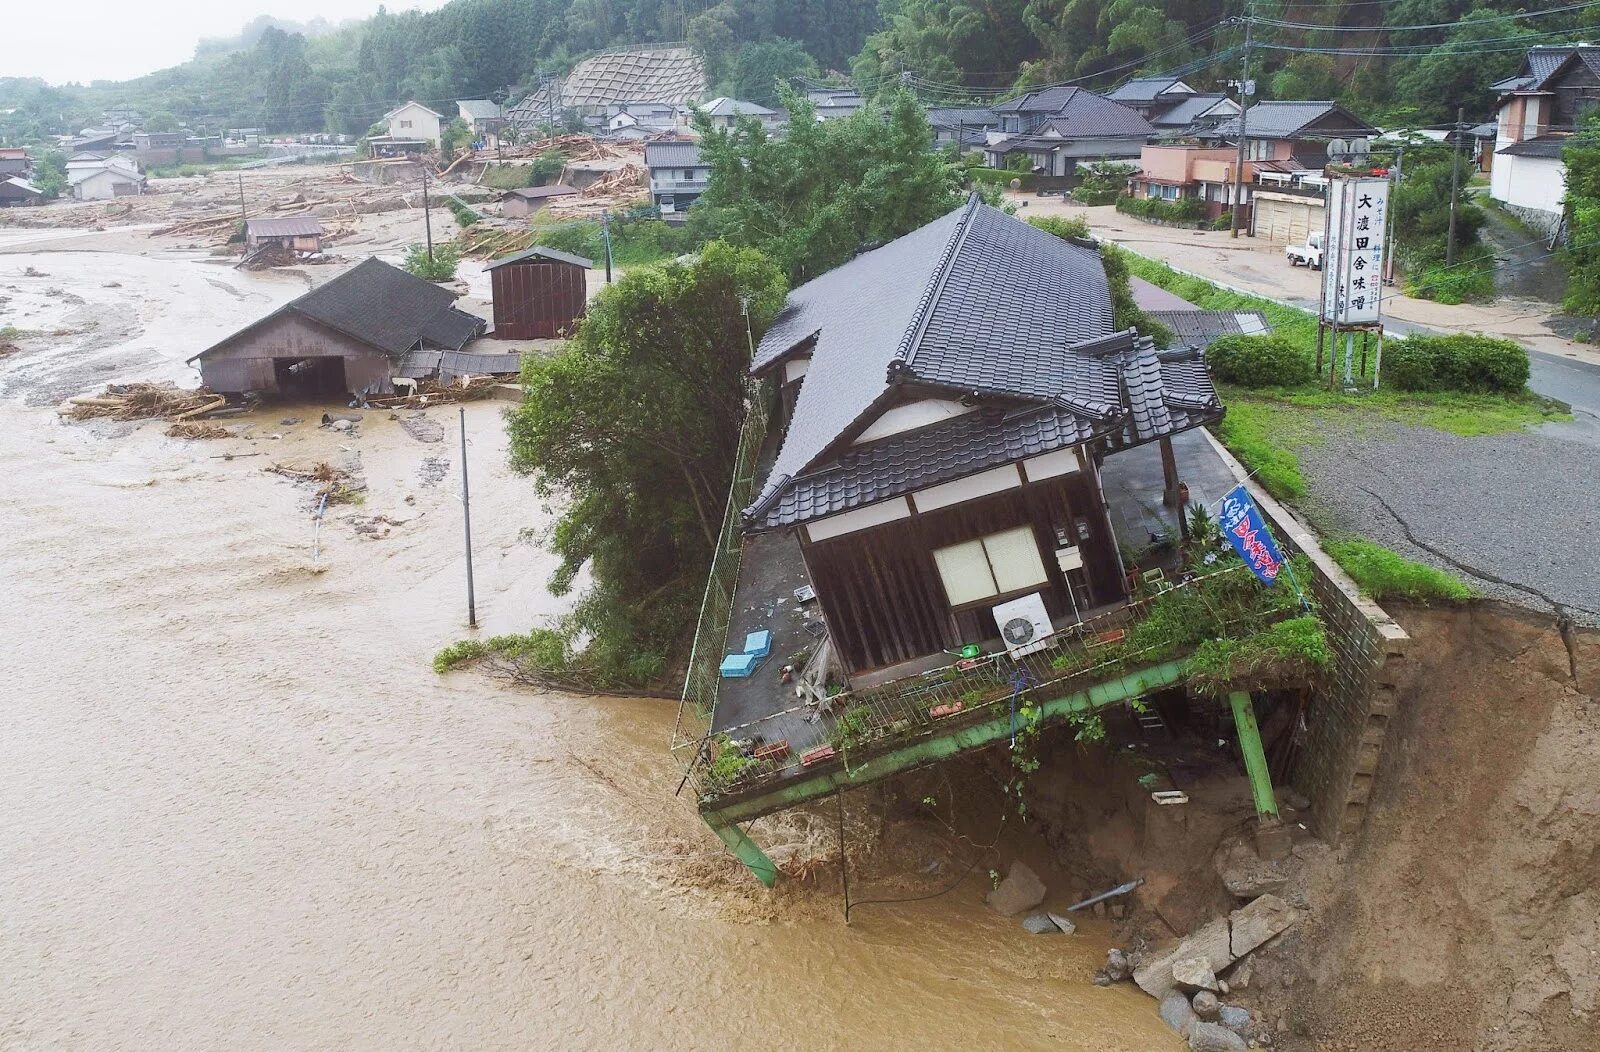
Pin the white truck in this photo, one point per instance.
(1306, 255)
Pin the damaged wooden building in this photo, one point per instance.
(349, 337)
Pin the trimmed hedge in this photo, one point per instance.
(1000, 177)
(1455, 363)
(1182, 210)
(1258, 361)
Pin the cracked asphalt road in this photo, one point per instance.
(1518, 515)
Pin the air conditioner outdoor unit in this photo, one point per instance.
(1024, 625)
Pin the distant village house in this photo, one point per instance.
(1537, 111)
(94, 177)
(16, 191)
(678, 176)
(1058, 128)
(298, 236)
(414, 121)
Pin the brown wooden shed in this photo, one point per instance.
(539, 294)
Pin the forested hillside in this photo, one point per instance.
(344, 79)
(341, 78)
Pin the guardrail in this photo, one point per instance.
(744, 759)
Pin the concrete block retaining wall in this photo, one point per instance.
(1347, 721)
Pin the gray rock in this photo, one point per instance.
(1239, 978)
(1118, 967)
(1195, 973)
(1209, 1037)
(1245, 874)
(1177, 1012)
(1040, 924)
(1206, 1005)
(1021, 890)
(1234, 1018)
(1154, 976)
(342, 425)
(1102, 979)
(1223, 988)
(1064, 922)
(1254, 924)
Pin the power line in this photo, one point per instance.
(1466, 20)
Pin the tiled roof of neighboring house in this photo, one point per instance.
(1281, 119)
(1192, 109)
(969, 116)
(452, 328)
(1145, 89)
(535, 193)
(672, 154)
(1538, 146)
(976, 303)
(374, 303)
(1486, 130)
(1197, 328)
(726, 107)
(478, 109)
(1044, 100)
(1074, 113)
(23, 185)
(541, 252)
(294, 227)
(1543, 62)
(418, 364)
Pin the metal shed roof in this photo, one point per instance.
(541, 252)
(295, 227)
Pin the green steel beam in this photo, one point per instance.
(743, 847)
(1255, 757)
(940, 747)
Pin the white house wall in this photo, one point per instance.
(1532, 188)
(910, 416)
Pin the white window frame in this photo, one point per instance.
(974, 571)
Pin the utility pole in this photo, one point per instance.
(427, 215)
(466, 521)
(1244, 112)
(605, 232)
(1388, 242)
(242, 216)
(1455, 183)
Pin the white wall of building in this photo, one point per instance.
(414, 121)
(1529, 184)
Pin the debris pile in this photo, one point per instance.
(432, 392)
(197, 429)
(335, 484)
(143, 401)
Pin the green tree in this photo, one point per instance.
(161, 122)
(50, 172)
(631, 428)
(1460, 70)
(1582, 256)
(811, 200)
(758, 69)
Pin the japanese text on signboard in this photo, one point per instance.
(1352, 281)
(1243, 526)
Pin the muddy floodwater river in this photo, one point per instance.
(239, 810)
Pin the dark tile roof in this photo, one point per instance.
(1188, 111)
(672, 155)
(980, 305)
(374, 303)
(1284, 119)
(1143, 89)
(452, 328)
(541, 252)
(1199, 327)
(968, 116)
(1538, 146)
(1044, 100)
(1075, 113)
(377, 304)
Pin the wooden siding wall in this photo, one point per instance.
(881, 591)
(537, 300)
(245, 363)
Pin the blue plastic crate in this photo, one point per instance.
(739, 666)
(758, 643)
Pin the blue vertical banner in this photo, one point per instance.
(1245, 529)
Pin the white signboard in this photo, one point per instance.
(1352, 270)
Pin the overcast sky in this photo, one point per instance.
(116, 39)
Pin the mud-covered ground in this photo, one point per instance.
(1466, 914)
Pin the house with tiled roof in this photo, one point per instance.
(1293, 131)
(1060, 127)
(945, 404)
(678, 176)
(1555, 89)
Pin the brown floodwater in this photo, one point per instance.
(238, 809)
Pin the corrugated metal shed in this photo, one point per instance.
(298, 226)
